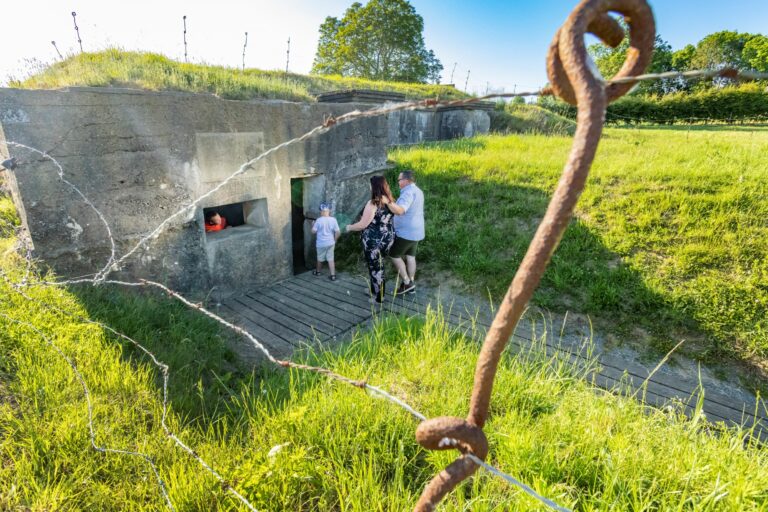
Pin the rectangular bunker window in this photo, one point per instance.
(248, 213)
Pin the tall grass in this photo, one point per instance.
(670, 236)
(523, 118)
(293, 441)
(156, 72)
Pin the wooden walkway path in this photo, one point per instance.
(307, 309)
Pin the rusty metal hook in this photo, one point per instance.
(572, 80)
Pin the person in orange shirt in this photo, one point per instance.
(214, 222)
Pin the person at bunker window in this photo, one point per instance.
(377, 236)
(214, 222)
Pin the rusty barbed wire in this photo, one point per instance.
(165, 372)
(574, 81)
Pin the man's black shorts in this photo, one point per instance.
(403, 247)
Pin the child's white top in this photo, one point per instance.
(325, 227)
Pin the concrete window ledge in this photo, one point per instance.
(237, 233)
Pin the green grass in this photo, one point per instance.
(117, 68)
(670, 235)
(342, 450)
(517, 118)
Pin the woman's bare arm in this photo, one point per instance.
(395, 208)
(368, 213)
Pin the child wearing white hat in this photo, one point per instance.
(327, 230)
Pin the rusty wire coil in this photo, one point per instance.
(573, 80)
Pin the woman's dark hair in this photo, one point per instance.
(379, 189)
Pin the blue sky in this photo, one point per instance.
(501, 43)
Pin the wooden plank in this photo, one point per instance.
(681, 388)
(312, 299)
(287, 327)
(711, 407)
(356, 296)
(344, 310)
(330, 321)
(418, 303)
(277, 346)
(448, 301)
(286, 335)
(346, 334)
(346, 295)
(291, 311)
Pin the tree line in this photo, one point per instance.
(383, 40)
(680, 100)
(724, 49)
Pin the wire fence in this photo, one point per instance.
(469, 436)
(165, 372)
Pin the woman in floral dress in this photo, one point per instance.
(378, 234)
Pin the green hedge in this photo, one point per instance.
(748, 102)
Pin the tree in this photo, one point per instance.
(381, 41)
(721, 50)
(610, 60)
(755, 53)
(681, 59)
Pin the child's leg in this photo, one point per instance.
(320, 259)
(331, 262)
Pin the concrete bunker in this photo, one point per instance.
(141, 156)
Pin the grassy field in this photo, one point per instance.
(293, 441)
(117, 68)
(670, 239)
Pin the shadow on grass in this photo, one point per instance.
(478, 232)
(205, 373)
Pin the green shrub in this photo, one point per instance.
(748, 102)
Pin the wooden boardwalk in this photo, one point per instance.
(307, 309)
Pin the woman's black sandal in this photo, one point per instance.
(332, 277)
(315, 273)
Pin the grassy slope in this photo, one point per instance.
(516, 118)
(156, 72)
(346, 451)
(671, 233)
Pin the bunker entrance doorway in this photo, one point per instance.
(297, 225)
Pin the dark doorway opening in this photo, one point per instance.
(297, 225)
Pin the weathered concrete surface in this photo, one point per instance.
(416, 126)
(457, 123)
(139, 156)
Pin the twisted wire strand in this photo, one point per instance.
(86, 392)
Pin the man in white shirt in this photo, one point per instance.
(409, 230)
